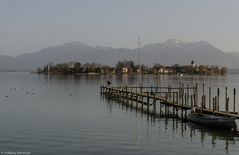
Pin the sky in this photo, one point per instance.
(27, 26)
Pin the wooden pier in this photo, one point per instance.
(182, 98)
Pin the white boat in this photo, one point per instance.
(212, 120)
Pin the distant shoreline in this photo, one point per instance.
(229, 72)
(16, 71)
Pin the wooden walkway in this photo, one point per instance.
(179, 98)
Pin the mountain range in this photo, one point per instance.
(169, 52)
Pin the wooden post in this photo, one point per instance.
(137, 101)
(182, 93)
(194, 99)
(234, 100)
(165, 109)
(178, 93)
(202, 104)
(148, 101)
(106, 89)
(225, 98)
(160, 107)
(177, 97)
(218, 95)
(111, 91)
(191, 101)
(141, 91)
(181, 112)
(227, 106)
(196, 94)
(216, 102)
(160, 91)
(127, 96)
(123, 91)
(173, 97)
(185, 98)
(119, 90)
(170, 92)
(209, 97)
(119, 93)
(132, 97)
(156, 90)
(114, 92)
(151, 89)
(154, 105)
(187, 94)
(166, 96)
(213, 105)
(142, 102)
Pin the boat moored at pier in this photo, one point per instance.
(212, 120)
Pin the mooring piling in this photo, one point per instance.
(218, 98)
(178, 98)
(234, 100)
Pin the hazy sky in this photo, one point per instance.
(29, 25)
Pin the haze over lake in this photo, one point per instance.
(78, 45)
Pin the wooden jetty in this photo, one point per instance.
(181, 98)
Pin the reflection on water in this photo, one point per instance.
(227, 136)
(186, 130)
(165, 79)
(64, 114)
(174, 127)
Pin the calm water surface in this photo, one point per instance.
(52, 115)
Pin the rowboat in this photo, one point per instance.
(212, 120)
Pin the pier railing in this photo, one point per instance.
(181, 98)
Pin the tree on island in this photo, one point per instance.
(128, 67)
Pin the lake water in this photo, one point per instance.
(52, 115)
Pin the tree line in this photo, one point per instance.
(129, 67)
